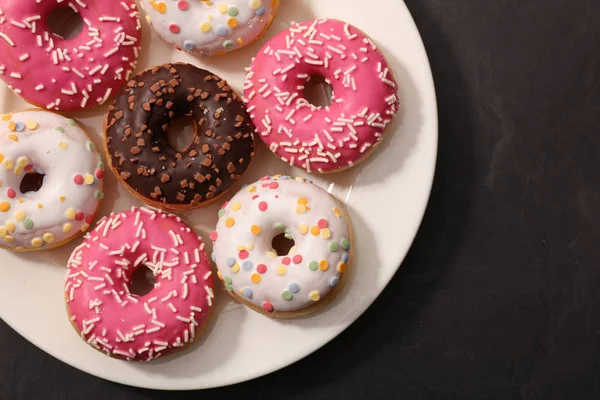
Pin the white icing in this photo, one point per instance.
(281, 210)
(61, 150)
(181, 22)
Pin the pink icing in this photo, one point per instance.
(364, 101)
(125, 325)
(60, 74)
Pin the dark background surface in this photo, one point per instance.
(499, 297)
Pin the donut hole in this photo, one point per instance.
(282, 245)
(65, 22)
(318, 92)
(181, 134)
(142, 281)
(32, 182)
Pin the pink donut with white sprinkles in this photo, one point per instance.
(68, 74)
(122, 324)
(364, 95)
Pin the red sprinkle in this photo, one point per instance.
(80, 216)
(273, 185)
(243, 254)
(322, 224)
(11, 193)
(78, 179)
(183, 5)
(297, 259)
(265, 185)
(262, 206)
(174, 28)
(264, 178)
(99, 174)
(89, 218)
(28, 167)
(214, 236)
(225, 204)
(261, 268)
(286, 261)
(255, 197)
(268, 306)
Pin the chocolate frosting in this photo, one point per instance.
(138, 146)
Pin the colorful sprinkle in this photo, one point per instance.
(37, 242)
(315, 230)
(268, 306)
(297, 259)
(255, 278)
(262, 206)
(236, 206)
(334, 281)
(313, 265)
(287, 295)
(261, 268)
(247, 265)
(20, 215)
(333, 247)
(325, 233)
(70, 213)
(229, 222)
(303, 229)
(255, 229)
(27, 223)
(214, 235)
(314, 295)
(345, 244)
(246, 292)
(341, 267)
(67, 227)
(48, 237)
(281, 270)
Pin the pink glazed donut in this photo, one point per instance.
(364, 100)
(121, 324)
(68, 74)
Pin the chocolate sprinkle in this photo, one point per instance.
(148, 105)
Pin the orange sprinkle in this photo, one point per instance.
(229, 222)
(315, 230)
(323, 265)
(255, 229)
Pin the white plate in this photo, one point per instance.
(386, 197)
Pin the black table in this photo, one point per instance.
(499, 297)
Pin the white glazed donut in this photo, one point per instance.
(53, 146)
(206, 28)
(281, 285)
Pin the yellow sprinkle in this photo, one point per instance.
(314, 295)
(303, 201)
(18, 170)
(89, 179)
(240, 41)
(235, 268)
(70, 213)
(12, 126)
(62, 198)
(341, 267)
(20, 215)
(62, 144)
(10, 226)
(22, 161)
(281, 270)
(323, 265)
(303, 229)
(255, 278)
(3, 231)
(19, 201)
(272, 254)
(14, 137)
(6, 117)
(325, 233)
(149, 19)
(337, 212)
(8, 165)
(223, 8)
(84, 227)
(67, 227)
(48, 237)
(1, 157)
(255, 229)
(241, 247)
(37, 242)
(315, 230)
(205, 27)
(251, 189)
(8, 239)
(31, 125)
(219, 275)
(236, 206)
(40, 205)
(255, 4)
(250, 246)
(229, 222)
(160, 7)
(300, 208)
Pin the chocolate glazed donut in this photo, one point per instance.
(138, 148)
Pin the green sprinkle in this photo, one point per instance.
(91, 146)
(229, 288)
(228, 44)
(71, 122)
(228, 280)
(99, 194)
(345, 244)
(60, 129)
(221, 212)
(313, 266)
(288, 234)
(27, 223)
(101, 165)
(232, 11)
(279, 226)
(287, 295)
(333, 247)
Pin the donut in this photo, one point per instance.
(47, 152)
(206, 28)
(140, 154)
(68, 74)
(122, 324)
(364, 95)
(282, 285)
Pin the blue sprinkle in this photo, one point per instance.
(283, 178)
(247, 292)
(334, 281)
(221, 31)
(213, 256)
(294, 287)
(247, 265)
(230, 262)
(345, 257)
(260, 11)
(19, 126)
(189, 45)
